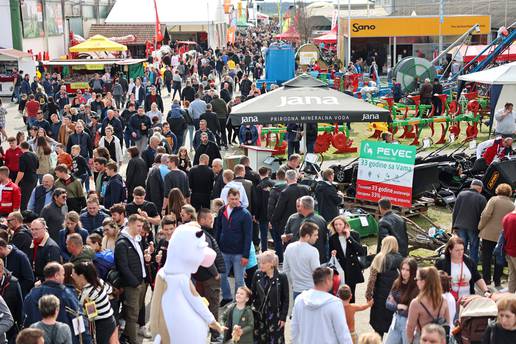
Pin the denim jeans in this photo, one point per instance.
(85, 178)
(397, 332)
(231, 260)
(470, 238)
(264, 233)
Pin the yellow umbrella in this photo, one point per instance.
(97, 43)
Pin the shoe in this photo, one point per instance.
(224, 302)
(144, 332)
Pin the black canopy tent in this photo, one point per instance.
(306, 99)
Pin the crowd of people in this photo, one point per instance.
(82, 241)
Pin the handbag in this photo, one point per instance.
(364, 260)
(335, 265)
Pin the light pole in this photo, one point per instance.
(349, 33)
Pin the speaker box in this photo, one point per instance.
(426, 178)
(498, 173)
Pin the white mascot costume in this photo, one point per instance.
(178, 314)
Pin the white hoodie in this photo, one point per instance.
(319, 317)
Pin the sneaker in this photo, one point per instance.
(144, 332)
(224, 302)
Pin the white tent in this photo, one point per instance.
(184, 16)
(502, 75)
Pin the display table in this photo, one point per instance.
(257, 155)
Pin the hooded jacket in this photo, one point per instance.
(318, 317)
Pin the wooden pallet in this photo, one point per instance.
(419, 206)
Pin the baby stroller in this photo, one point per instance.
(475, 314)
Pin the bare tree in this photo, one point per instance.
(302, 22)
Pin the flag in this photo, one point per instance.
(159, 35)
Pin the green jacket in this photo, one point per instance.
(246, 323)
(86, 255)
(220, 107)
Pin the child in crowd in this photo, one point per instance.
(344, 293)
(239, 319)
(63, 157)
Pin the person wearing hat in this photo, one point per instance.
(466, 216)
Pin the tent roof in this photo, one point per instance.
(502, 75)
(15, 54)
(468, 53)
(191, 12)
(97, 43)
(305, 99)
(290, 35)
(329, 37)
(141, 32)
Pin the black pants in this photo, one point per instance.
(487, 257)
(168, 85)
(104, 328)
(223, 136)
(177, 88)
(199, 200)
(26, 190)
(249, 274)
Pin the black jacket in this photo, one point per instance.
(211, 120)
(11, 292)
(154, 187)
(277, 297)
(467, 210)
(128, 262)
(22, 239)
(49, 252)
(19, 264)
(349, 261)
(218, 185)
(252, 175)
(148, 103)
(393, 224)
(286, 205)
(135, 175)
(273, 198)
(218, 266)
(328, 200)
(210, 148)
(444, 264)
(261, 194)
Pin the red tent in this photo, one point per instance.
(290, 35)
(328, 38)
(467, 53)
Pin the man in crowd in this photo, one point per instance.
(233, 229)
(116, 191)
(219, 183)
(75, 193)
(201, 179)
(466, 216)
(327, 196)
(203, 128)
(505, 121)
(391, 224)
(318, 316)
(18, 264)
(54, 213)
(78, 252)
(301, 258)
(82, 139)
(144, 208)
(175, 178)
(41, 196)
(305, 213)
(131, 266)
(27, 177)
(196, 109)
(207, 147)
(92, 218)
(139, 126)
(21, 236)
(221, 109)
(10, 194)
(45, 250)
(230, 183)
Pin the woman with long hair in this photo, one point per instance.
(404, 289)
(72, 224)
(110, 234)
(345, 246)
(384, 270)
(43, 151)
(184, 159)
(429, 306)
(270, 300)
(96, 291)
(112, 144)
(176, 200)
(461, 269)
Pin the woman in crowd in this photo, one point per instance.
(384, 270)
(429, 306)
(176, 201)
(345, 245)
(490, 227)
(462, 270)
(403, 291)
(110, 231)
(112, 144)
(270, 300)
(184, 160)
(43, 152)
(504, 330)
(96, 291)
(72, 224)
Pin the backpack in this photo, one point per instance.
(439, 320)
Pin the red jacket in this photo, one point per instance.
(509, 233)
(11, 198)
(496, 149)
(12, 159)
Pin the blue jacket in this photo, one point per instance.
(67, 298)
(63, 234)
(115, 191)
(234, 234)
(25, 87)
(90, 223)
(18, 263)
(242, 134)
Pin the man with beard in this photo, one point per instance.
(207, 147)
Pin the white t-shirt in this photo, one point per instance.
(458, 283)
(452, 306)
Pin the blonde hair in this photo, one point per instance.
(269, 256)
(507, 303)
(331, 225)
(389, 245)
(370, 338)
